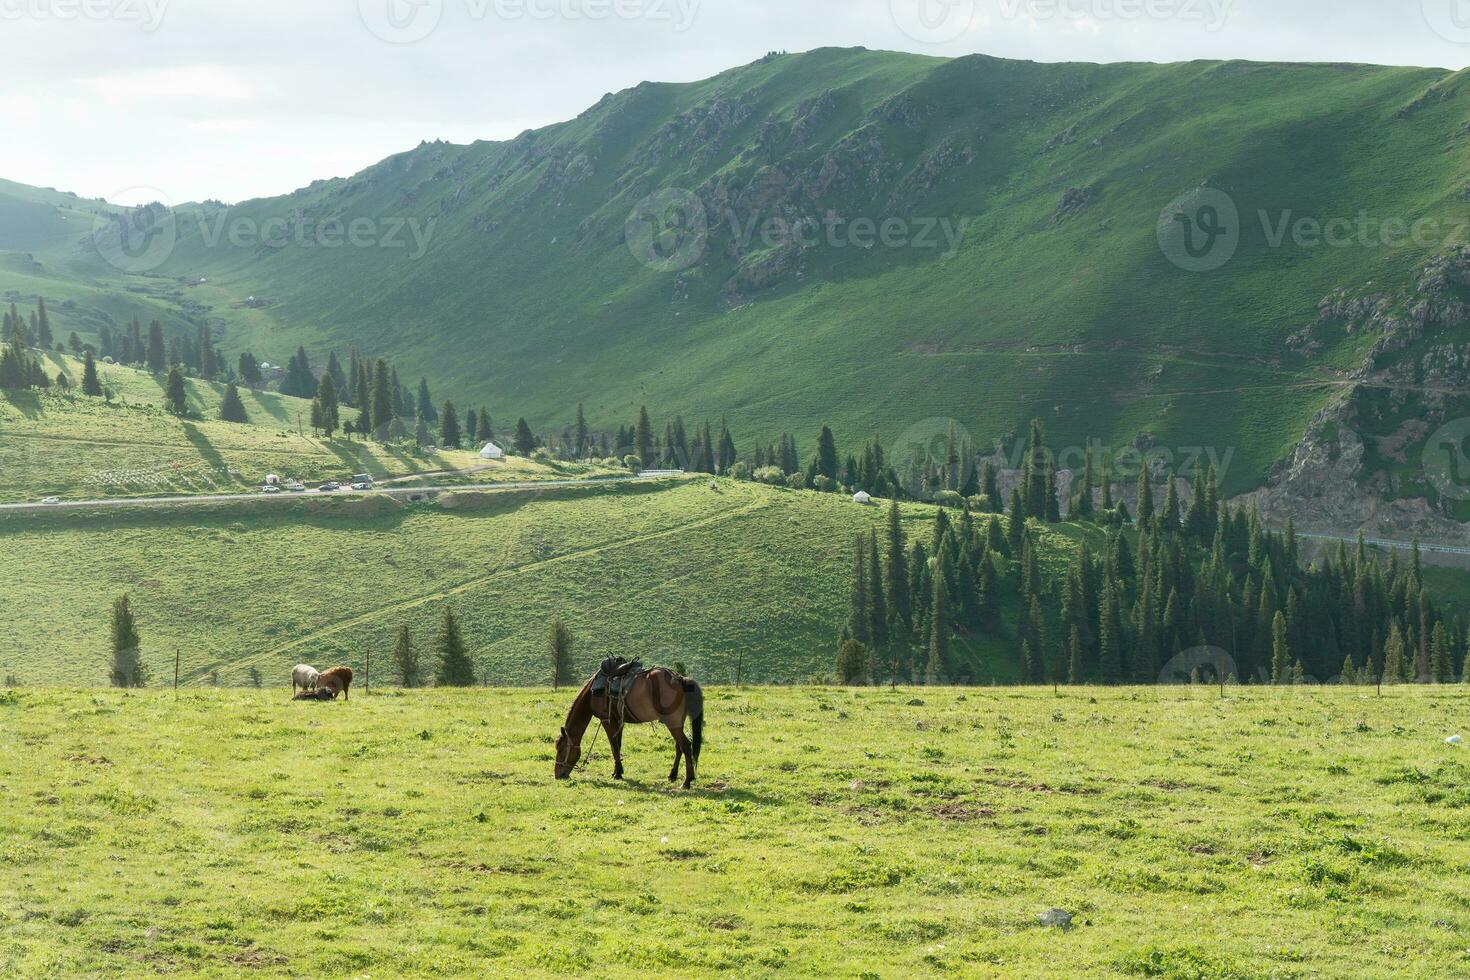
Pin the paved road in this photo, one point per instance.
(201, 500)
(1444, 549)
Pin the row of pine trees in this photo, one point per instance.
(1134, 596)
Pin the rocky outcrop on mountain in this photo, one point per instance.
(1326, 484)
(1074, 202)
(856, 161)
(943, 161)
(1324, 488)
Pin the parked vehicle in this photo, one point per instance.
(329, 486)
(296, 486)
(51, 500)
(270, 488)
(362, 486)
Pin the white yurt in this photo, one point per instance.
(492, 451)
(861, 497)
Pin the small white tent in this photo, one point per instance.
(861, 497)
(492, 451)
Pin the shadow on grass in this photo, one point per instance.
(27, 403)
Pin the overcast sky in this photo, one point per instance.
(231, 99)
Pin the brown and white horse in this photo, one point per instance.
(658, 695)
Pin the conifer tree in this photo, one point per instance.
(326, 400)
(231, 408)
(406, 659)
(854, 663)
(1395, 665)
(1145, 513)
(175, 397)
(524, 441)
(44, 340)
(990, 486)
(897, 583)
(860, 610)
(1442, 665)
(425, 408)
(449, 434)
(937, 669)
(455, 668)
(484, 427)
(1281, 660)
(1110, 639)
(127, 655)
(1076, 659)
(1082, 495)
(643, 437)
(1170, 515)
(559, 647)
(91, 384)
(827, 455)
(157, 361)
(384, 409)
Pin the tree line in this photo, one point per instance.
(1136, 593)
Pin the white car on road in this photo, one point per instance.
(51, 500)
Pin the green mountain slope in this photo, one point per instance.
(501, 270)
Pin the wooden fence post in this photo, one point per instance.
(176, 672)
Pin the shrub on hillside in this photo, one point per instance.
(796, 481)
(633, 463)
(854, 665)
(770, 474)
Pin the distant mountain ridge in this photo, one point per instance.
(880, 241)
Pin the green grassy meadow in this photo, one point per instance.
(743, 577)
(1307, 832)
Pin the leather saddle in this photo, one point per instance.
(615, 677)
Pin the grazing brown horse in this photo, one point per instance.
(658, 695)
(336, 681)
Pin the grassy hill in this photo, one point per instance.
(233, 833)
(743, 575)
(65, 444)
(1058, 301)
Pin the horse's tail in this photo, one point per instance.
(694, 707)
